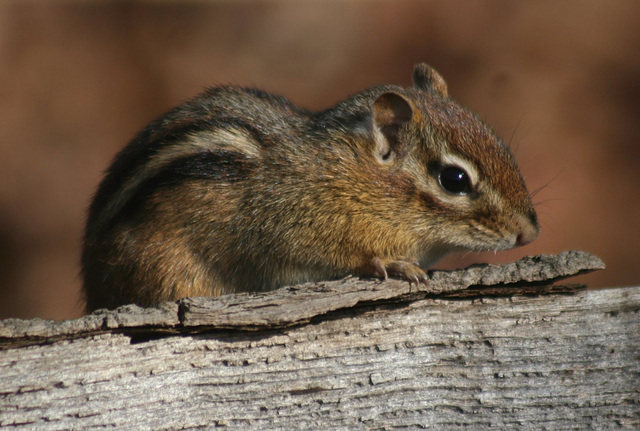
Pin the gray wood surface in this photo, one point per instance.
(490, 355)
(299, 304)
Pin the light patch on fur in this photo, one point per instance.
(383, 149)
(237, 140)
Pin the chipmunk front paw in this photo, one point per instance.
(407, 269)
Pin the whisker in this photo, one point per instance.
(510, 142)
(543, 203)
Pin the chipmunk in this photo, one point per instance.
(239, 190)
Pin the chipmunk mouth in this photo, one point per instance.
(483, 240)
(488, 240)
(501, 245)
(520, 230)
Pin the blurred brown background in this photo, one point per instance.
(560, 81)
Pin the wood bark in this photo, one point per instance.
(490, 347)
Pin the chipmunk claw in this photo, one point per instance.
(379, 269)
(407, 269)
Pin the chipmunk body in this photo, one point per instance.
(239, 190)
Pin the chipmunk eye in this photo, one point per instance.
(455, 180)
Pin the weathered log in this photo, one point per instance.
(472, 350)
(298, 304)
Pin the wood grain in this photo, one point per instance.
(552, 361)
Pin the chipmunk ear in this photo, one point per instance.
(390, 112)
(426, 77)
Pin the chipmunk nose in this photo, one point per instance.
(528, 228)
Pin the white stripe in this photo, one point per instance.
(232, 140)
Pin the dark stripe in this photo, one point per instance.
(221, 166)
(136, 154)
(150, 142)
(218, 165)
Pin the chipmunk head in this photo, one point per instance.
(467, 183)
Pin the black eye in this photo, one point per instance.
(455, 180)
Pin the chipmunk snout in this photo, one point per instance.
(528, 228)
